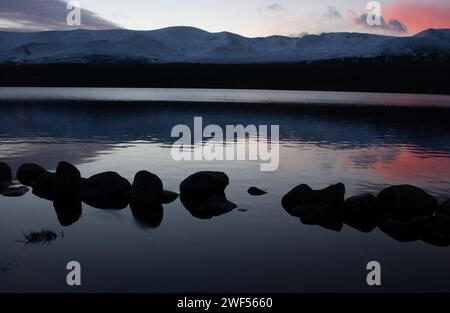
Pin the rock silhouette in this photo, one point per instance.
(203, 194)
(214, 206)
(106, 190)
(44, 186)
(319, 214)
(68, 181)
(435, 229)
(146, 197)
(5, 173)
(361, 212)
(169, 196)
(15, 191)
(405, 202)
(303, 194)
(401, 230)
(68, 211)
(444, 208)
(200, 186)
(27, 174)
(254, 191)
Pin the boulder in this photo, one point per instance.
(68, 211)
(148, 218)
(444, 208)
(405, 202)
(44, 186)
(15, 191)
(320, 214)
(200, 186)
(146, 190)
(214, 206)
(360, 212)
(403, 231)
(27, 174)
(254, 191)
(169, 196)
(5, 173)
(435, 230)
(303, 194)
(68, 181)
(106, 190)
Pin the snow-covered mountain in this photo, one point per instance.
(192, 45)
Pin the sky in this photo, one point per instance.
(251, 18)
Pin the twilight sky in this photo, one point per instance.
(246, 17)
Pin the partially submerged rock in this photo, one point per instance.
(5, 173)
(169, 196)
(319, 214)
(68, 211)
(214, 206)
(303, 194)
(15, 191)
(401, 230)
(254, 191)
(435, 230)
(146, 198)
(106, 190)
(444, 208)
(68, 181)
(405, 202)
(198, 187)
(360, 212)
(27, 174)
(44, 186)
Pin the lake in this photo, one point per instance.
(367, 141)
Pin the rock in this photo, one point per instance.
(149, 218)
(253, 191)
(44, 186)
(169, 196)
(146, 192)
(5, 173)
(200, 186)
(27, 174)
(214, 206)
(319, 214)
(303, 194)
(405, 202)
(360, 212)
(68, 211)
(15, 191)
(435, 230)
(403, 231)
(68, 181)
(106, 190)
(444, 208)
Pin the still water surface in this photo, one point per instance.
(366, 141)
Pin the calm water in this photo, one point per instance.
(260, 248)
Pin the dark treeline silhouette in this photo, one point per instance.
(381, 74)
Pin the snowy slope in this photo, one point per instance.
(187, 44)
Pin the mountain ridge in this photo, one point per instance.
(181, 44)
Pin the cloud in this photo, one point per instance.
(332, 13)
(37, 15)
(392, 26)
(419, 15)
(276, 7)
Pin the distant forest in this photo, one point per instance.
(382, 74)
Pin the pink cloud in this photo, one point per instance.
(418, 16)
